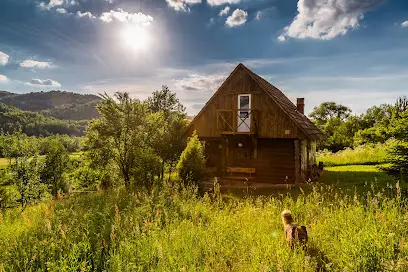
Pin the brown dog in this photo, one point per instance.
(294, 233)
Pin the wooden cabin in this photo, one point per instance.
(252, 131)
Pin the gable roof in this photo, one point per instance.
(300, 120)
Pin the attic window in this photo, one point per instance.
(244, 112)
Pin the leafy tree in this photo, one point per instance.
(399, 153)
(122, 135)
(329, 110)
(171, 141)
(24, 166)
(55, 166)
(192, 164)
(165, 101)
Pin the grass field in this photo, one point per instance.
(369, 154)
(174, 230)
(3, 163)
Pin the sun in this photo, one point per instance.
(136, 37)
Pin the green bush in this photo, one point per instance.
(191, 166)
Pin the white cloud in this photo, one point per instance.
(36, 64)
(238, 17)
(3, 79)
(404, 24)
(80, 14)
(224, 11)
(182, 5)
(110, 1)
(46, 82)
(322, 19)
(51, 4)
(199, 83)
(61, 10)
(3, 58)
(258, 15)
(123, 16)
(222, 2)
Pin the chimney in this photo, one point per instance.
(300, 105)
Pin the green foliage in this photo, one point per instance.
(192, 164)
(56, 164)
(123, 136)
(329, 110)
(24, 167)
(32, 123)
(174, 230)
(376, 125)
(399, 153)
(170, 140)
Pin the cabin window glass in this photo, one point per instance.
(244, 112)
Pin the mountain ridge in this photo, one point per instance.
(58, 104)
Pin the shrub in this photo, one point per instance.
(191, 166)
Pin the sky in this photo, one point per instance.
(353, 52)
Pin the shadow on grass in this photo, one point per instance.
(348, 179)
(314, 252)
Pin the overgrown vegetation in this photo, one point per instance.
(367, 154)
(344, 130)
(174, 229)
(385, 126)
(130, 144)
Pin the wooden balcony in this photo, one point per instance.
(243, 121)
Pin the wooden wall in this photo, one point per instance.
(274, 161)
(307, 158)
(273, 122)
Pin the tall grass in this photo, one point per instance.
(175, 230)
(368, 154)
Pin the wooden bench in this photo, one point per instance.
(249, 171)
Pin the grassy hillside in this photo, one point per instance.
(175, 230)
(57, 104)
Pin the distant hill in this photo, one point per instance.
(58, 104)
(34, 123)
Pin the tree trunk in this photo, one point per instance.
(162, 171)
(127, 180)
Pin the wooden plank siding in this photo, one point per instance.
(274, 162)
(273, 122)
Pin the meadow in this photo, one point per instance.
(175, 229)
(368, 154)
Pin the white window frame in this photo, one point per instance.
(244, 125)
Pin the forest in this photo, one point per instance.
(111, 199)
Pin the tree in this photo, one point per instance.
(399, 153)
(55, 166)
(24, 166)
(165, 101)
(329, 110)
(171, 141)
(123, 132)
(192, 164)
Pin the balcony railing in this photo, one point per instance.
(243, 121)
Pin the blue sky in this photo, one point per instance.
(353, 52)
